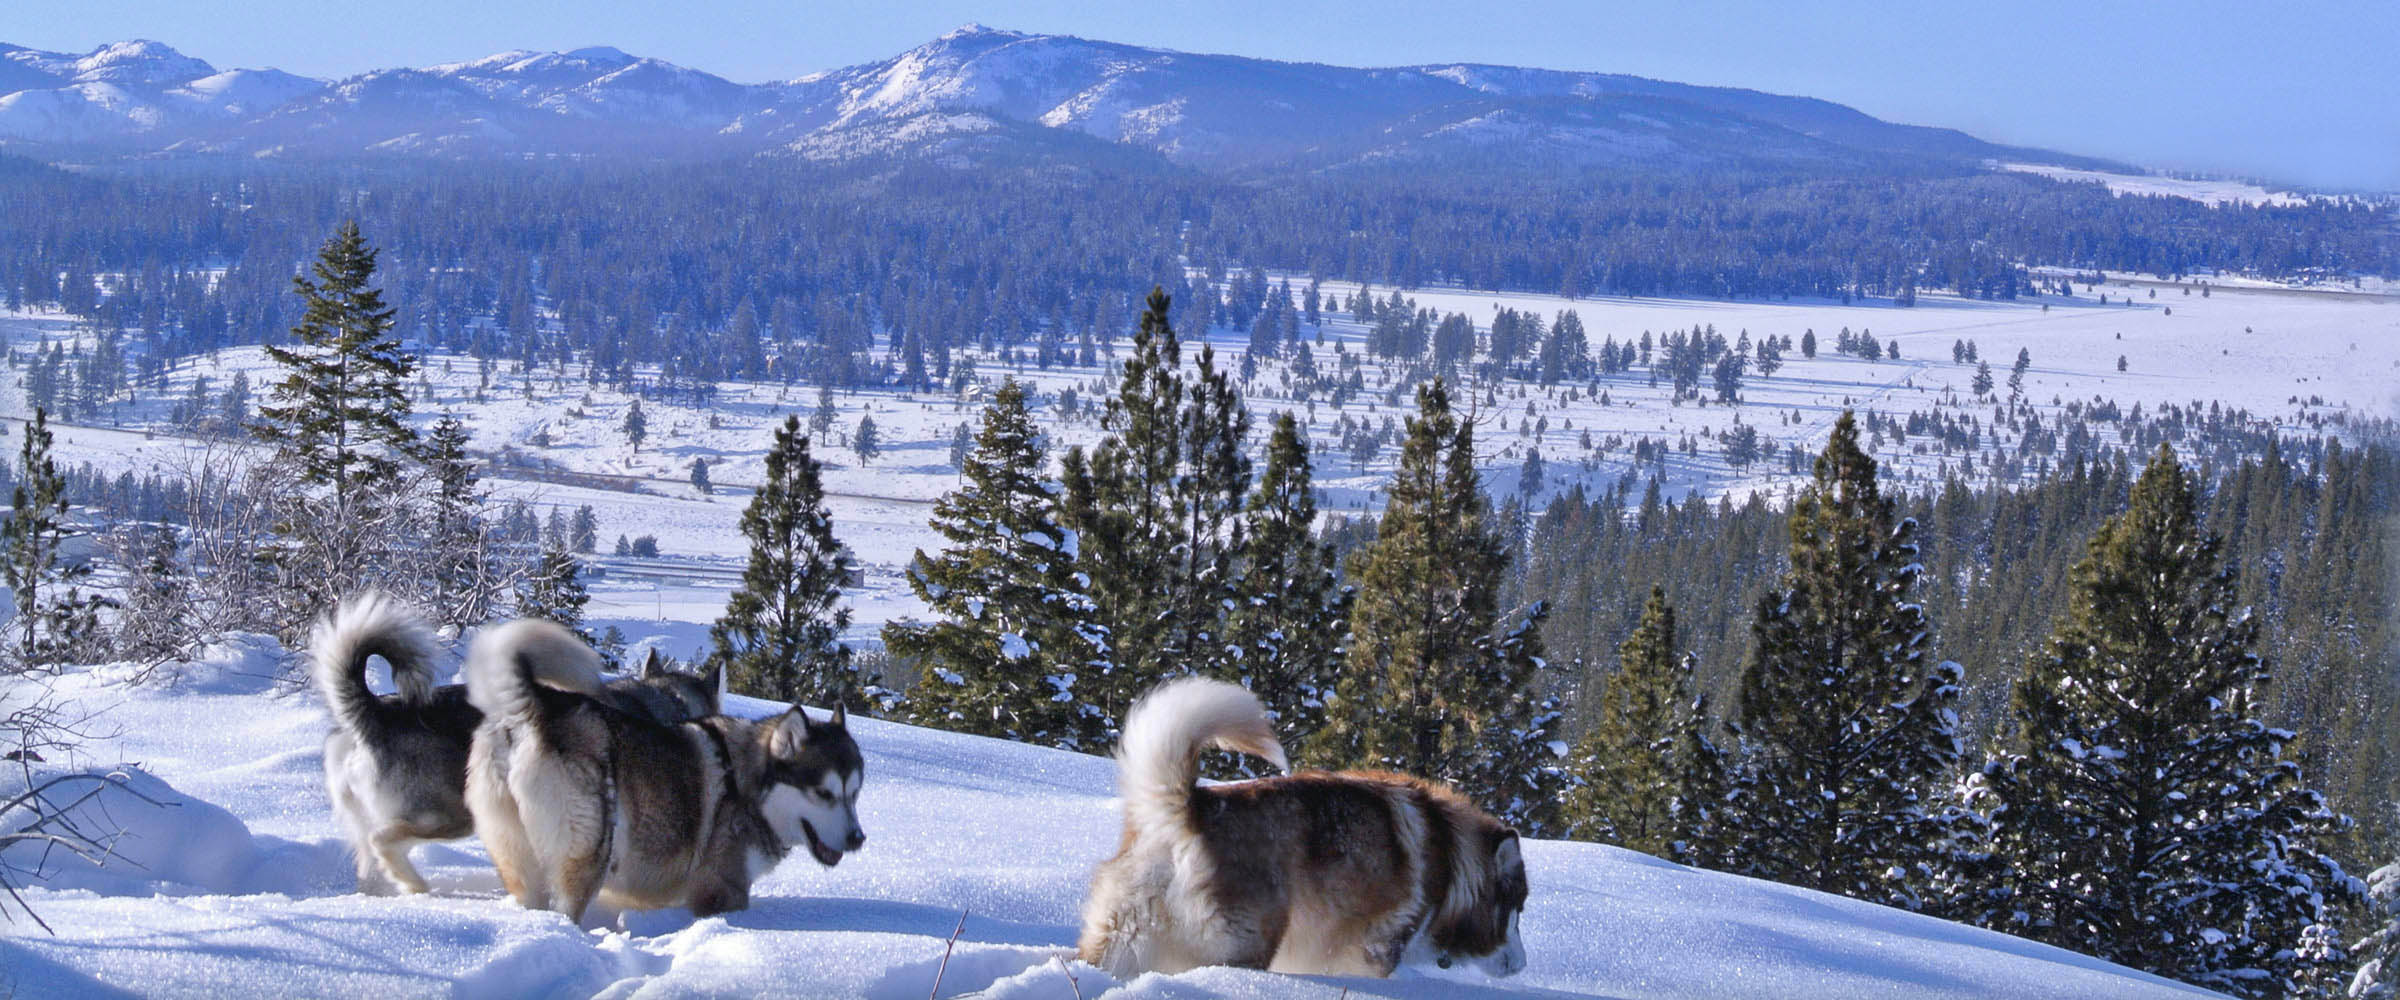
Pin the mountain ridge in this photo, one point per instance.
(1209, 111)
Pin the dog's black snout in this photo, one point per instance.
(858, 839)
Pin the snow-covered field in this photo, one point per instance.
(2286, 355)
(239, 888)
(2213, 192)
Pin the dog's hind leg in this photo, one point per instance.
(578, 880)
(502, 830)
(391, 846)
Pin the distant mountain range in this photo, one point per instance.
(974, 91)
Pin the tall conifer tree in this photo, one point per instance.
(1016, 645)
(338, 422)
(1435, 683)
(780, 636)
(1630, 765)
(55, 622)
(2145, 815)
(1156, 508)
(340, 413)
(1847, 728)
(1292, 623)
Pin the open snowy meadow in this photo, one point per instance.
(230, 880)
(2305, 360)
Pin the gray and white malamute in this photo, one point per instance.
(576, 800)
(1348, 873)
(396, 764)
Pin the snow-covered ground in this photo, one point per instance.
(2286, 355)
(239, 888)
(2213, 192)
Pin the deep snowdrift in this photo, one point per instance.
(244, 890)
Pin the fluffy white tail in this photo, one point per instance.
(1158, 762)
(506, 661)
(362, 626)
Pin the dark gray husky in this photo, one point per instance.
(396, 764)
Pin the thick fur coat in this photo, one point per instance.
(396, 764)
(1349, 873)
(577, 801)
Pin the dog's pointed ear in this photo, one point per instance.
(651, 667)
(1508, 853)
(841, 716)
(714, 676)
(789, 735)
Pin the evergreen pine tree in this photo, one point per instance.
(780, 636)
(1846, 728)
(1015, 645)
(1629, 766)
(1433, 684)
(55, 621)
(463, 582)
(2378, 976)
(553, 590)
(1292, 620)
(867, 441)
(340, 413)
(1982, 383)
(2145, 815)
(586, 534)
(338, 422)
(1156, 507)
(1705, 790)
(636, 425)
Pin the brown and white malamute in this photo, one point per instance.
(578, 800)
(1348, 873)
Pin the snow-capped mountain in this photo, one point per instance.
(974, 92)
(115, 90)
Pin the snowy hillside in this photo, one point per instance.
(239, 888)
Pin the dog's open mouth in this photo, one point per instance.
(826, 856)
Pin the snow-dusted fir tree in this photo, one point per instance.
(1292, 621)
(553, 590)
(1629, 768)
(1156, 505)
(780, 636)
(340, 414)
(1847, 727)
(2145, 815)
(466, 580)
(2378, 952)
(1700, 835)
(1436, 683)
(338, 424)
(636, 426)
(55, 621)
(1015, 646)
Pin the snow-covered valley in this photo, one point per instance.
(2305, 361)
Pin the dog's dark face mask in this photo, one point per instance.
(1486, 934)
(814, 774)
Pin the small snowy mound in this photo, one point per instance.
(135, 835)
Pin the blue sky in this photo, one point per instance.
(2302, 92)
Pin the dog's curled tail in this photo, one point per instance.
(506, 662)
(366, 625)
(1158, 761)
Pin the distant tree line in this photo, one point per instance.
(875, 273)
